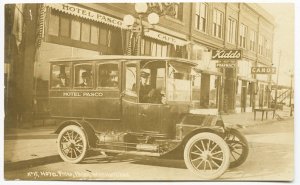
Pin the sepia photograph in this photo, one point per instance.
(149, 91)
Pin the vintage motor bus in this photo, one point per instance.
(138, 105)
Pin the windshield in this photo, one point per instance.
(179, 82)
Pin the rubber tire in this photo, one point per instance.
(78, 130)
(245, 151)
(222, 144)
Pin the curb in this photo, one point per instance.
(31, 162)
(259, 123)
(16, 137)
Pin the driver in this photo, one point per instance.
(145, 88)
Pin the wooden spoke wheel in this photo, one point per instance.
(72, 144)
(207, 155)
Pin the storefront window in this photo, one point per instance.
(64, 27)
(208, 91)
(60, 77)
(83, 76)
(213, 91)
(94, 34)
(53, 25)
(75, 30)
(103, 36)
(152, 48)
(78, 30)
(85, 32)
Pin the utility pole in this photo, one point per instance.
(276, 91)
(291, 95)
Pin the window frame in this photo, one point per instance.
(93, 76)
(218, 27)
(59, 39)
(243, 36)
(232, 30)
(252, 40)
(127, 91)
(198, 16)
(98, 73)
(70, 76)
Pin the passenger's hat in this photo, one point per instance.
(62, 75)
(85, 74)
(113, 73)
(144, 74)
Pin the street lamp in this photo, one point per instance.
(129, 21)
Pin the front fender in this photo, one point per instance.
(86, 127)
(192, 122)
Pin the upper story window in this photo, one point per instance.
(60, 76)
(260, 44)
(83, 76)
(253, 38)
(70, 29)
(231, 30)
(243, 35)
(218, 23)
(108, 76)
(268, 49)
(201, 16)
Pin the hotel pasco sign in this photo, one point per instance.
(226, 54)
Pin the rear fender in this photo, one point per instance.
(85, 126)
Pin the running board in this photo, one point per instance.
(152, 154)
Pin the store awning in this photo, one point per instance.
(246, 79)
(198, 70)
(165, 38)
(87, 14)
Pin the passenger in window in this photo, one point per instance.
(110, 80)
(86, 79)
(62, 80)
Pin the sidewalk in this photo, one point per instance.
(37, 146)
(246, 119)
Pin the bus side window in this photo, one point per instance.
(83, 76)
(108, 76)
(60, 77)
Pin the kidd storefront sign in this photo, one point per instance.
(85, 13)
(224, 54)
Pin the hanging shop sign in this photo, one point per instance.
(165, 38)
(224, 54)
(226, 64)
(263, 70)
(85, 13)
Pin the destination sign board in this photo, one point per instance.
(263, 70)
(226, 54)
